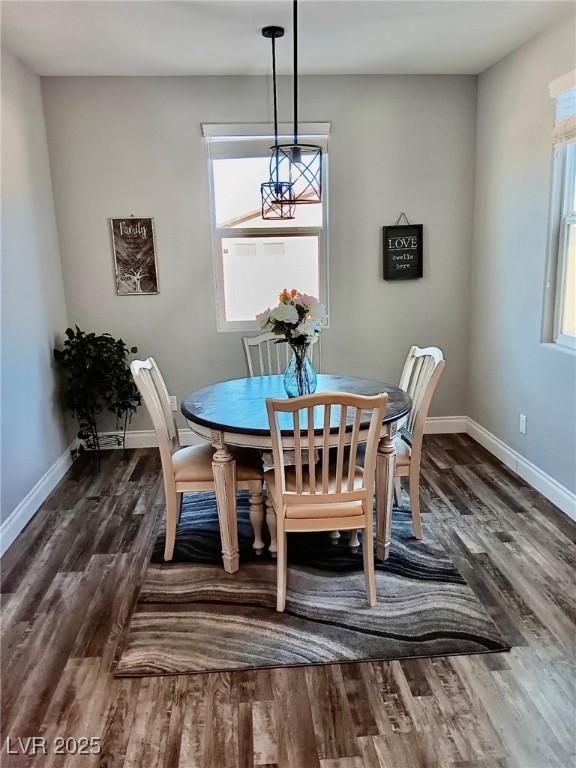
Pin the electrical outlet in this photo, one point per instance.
(522, 424)
(173, 402)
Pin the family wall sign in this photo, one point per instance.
(134, 256)
(403, 252)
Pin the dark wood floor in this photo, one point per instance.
(68, 584)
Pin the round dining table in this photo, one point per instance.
(233, 414)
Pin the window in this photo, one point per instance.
(561, 279)
(565, 310)
(256, 258)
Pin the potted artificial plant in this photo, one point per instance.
(97, 378)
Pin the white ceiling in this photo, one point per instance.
(218, 37)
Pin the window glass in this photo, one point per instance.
(256, 269)
(237, 196)
(569, 308)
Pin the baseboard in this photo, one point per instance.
(445, 425)
(27, 508)
(146, 438)
(534, 476)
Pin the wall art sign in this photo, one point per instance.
(134, 256)
(403, 252)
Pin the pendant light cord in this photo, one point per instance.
(274, 90)
(275, 103)
(295, 22)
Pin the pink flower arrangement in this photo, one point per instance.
(298, 318)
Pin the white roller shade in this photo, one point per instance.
(255, 139)
(229, 130)
(563, 90)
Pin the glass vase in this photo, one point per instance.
(300, 377)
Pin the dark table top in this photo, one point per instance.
(239, 405)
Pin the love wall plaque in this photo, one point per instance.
(403, 252)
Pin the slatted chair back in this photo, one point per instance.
(311, 425)
(151, 386)
(267, 355)
(162, 391)
(420, 376)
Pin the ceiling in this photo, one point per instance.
(218, 37)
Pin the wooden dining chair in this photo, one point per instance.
(190, 468)
(267, 354)
(420, 376)
(332, 493)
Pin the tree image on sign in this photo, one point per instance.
(131, 270)
(134, 256)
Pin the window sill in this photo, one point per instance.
(238, 326)
(248, 326)
(558, 347)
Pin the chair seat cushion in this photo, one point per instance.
(403, 452)
(324, 511)
(336, 509)
(194, 464)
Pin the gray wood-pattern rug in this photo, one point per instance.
(193, 617)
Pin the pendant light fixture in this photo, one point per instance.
(296, 168)
(277, 194)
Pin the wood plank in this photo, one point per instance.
(296, 740)
(358, 701)
(265, 733)
(332, 719)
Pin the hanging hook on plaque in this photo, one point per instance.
(400, 219)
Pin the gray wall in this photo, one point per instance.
(33, 307)
(133, 145)
(511, 371)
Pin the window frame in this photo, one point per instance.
(218, 233)
(562, 215)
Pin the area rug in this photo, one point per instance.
(193, 617)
